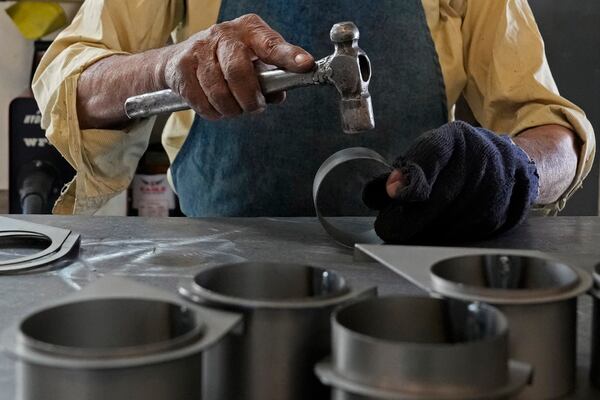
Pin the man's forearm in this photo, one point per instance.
(213, 71)
(555, 150)
(103, 87)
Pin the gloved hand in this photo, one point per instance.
(461, 183)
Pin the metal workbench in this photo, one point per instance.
(161, 252)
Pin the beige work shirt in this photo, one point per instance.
(489, 51)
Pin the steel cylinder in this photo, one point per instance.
(109, 330)
(286, 309)
(538, 297)
(545, 335)
(177, 379)
(115, 340)
(420, 348)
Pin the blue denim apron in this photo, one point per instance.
(264, 165)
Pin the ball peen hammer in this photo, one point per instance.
(348, 69)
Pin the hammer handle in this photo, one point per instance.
(167, 101)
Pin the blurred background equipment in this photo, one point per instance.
(37, 171)
(36, 19)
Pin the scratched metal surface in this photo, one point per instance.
(161, 252)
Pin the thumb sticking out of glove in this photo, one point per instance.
(461, 183)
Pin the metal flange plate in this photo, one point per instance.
(62, 243)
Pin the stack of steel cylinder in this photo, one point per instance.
(286, 331)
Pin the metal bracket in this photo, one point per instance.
(62, 243)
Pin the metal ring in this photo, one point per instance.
(14, 228)
(378, 357)
(575, 282)
(346, 237)
(199, 293)
(212, 326)
(62, 243)
(519, 374)
(70, 245)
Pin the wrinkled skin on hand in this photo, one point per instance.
(216, 69)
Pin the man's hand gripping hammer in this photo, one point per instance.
(348, 69)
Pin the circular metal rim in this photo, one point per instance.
(70, 244)
(198, 294)
(18, 351)
(24, 235)
(56, 236)
(373, 340)
(345, 238)
(218, 324)
(440, 282)
(519, 374)
(596, 275)
(196, 334)
(456, 291)
(350, 342)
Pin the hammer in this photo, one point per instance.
(348, 69)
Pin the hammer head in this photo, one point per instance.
(351, 74)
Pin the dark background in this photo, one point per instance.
(571, 31)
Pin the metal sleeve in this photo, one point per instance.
(346, 237)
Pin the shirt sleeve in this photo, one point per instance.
(104, 160)
(509, 84)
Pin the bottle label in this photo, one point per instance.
(152, 195)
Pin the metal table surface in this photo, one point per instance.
(161, 252)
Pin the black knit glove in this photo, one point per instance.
(463, 183)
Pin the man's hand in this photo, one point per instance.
(214, 69)
(455, 183)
